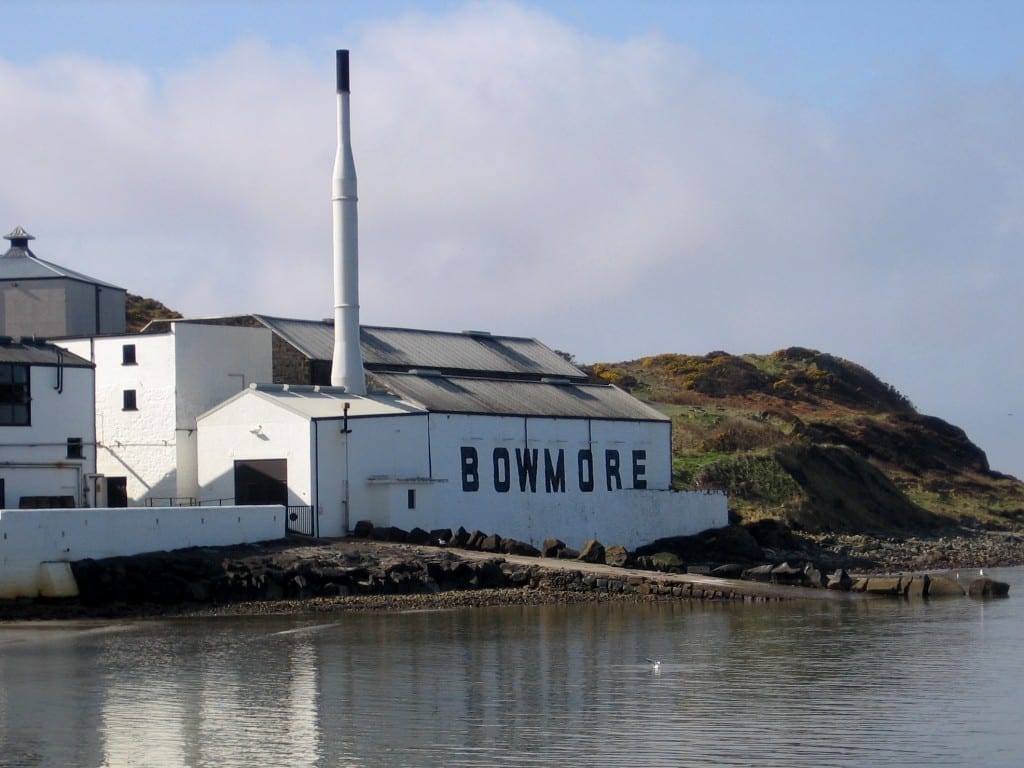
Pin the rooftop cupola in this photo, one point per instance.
(19, 241)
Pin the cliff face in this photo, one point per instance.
(818, 442)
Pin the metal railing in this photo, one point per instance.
(301, 520)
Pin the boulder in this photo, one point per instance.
(617, 555)
(419, 536)
(592, 552)
(879, 585)
(476, 540)
(813, 577)
(667, 562)
(787, 574)
(492, 543)
(758, 573)
(551, 547)
(839, 580)
(363, 529)
(460, 538)
(516, 547)
(986, 587)
(441, 536)
(729, 571)
(943, 586)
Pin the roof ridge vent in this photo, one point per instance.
(478, 333)
(555, 380)
(428, 372)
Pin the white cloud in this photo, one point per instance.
(613, 199)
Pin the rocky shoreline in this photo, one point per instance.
(391, 570)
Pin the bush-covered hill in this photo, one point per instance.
(140, 310)
(818, 442)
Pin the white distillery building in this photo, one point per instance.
(499, 434)
(150, 388)
(40, 298)
(47, 433)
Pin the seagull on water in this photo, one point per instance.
(654, 663)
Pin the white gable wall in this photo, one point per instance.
(33, 459)
(246, 428)
(176, 376)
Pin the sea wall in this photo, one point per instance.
(32, 540)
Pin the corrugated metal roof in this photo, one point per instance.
(38, 353)
(324, 402)
(455, 394)
(22, 264)
(391, 349)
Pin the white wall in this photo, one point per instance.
(33, 459)
(139, 444)
(248, 428)
(178, 375)
(377, 462)
(29, 537)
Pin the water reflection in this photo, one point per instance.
(844, 683)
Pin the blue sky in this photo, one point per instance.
(616, 179)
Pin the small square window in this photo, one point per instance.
(75, 448)
(128, 354)
(130, 403)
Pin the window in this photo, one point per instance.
(75, 448)
(129, 400)
(14, 395)
(411, 499)
(128, 354)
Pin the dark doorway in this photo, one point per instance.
(117, 491)
(261, 481)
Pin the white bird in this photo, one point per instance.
(654, 663)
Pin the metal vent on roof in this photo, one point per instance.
(431, 372)
(478, 333)
(554, 380)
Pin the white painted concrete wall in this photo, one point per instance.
(29, 537)
(178, 375)
(246, 429)
(377, 462)
(33, 459)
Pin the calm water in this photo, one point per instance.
(818, 684)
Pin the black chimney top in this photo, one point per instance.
(343, 71)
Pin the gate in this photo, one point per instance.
(301, 520)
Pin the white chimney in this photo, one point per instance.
(347, 366)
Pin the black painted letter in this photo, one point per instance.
(611, 469)
(585, 465)
(502, 470)
(554, 474)
(470, 469)
(526, 463)
(639, 469)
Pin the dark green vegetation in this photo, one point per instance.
(817, 442)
